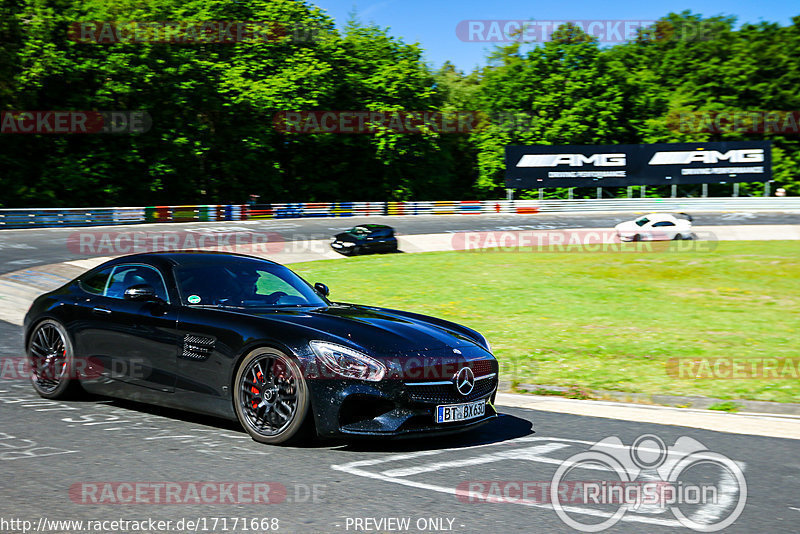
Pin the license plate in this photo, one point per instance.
(460, 412)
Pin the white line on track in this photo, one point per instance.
(356, 468)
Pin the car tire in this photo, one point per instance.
(636, 237)
(678, 237)
(271, 398)
(51, 359)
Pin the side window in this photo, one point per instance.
(268, 284)
(664, 223)
(125, 276)
(95, 283)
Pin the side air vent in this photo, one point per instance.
(197, 348)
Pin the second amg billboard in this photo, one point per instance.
(534, 166)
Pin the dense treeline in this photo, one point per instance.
(213, 105)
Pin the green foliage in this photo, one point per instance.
(212, 105)
(726, 406)
(570, 91)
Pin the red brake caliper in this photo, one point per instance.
(254, 390)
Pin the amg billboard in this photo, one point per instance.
(531, 167)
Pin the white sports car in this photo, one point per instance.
(655, 226)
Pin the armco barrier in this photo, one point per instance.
(369, 208)
(288, 211)
(469, 206)
(50, 217)
(395, 208)
(672, 204)
(316, 209)
(33, 218)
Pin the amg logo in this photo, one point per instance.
(748, 155)
(573, 160)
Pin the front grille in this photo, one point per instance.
(197, 347)
(481, 367)
(447, 394)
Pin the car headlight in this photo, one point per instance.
(348, 362)
(348, 244)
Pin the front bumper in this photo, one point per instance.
(343, 247)
(393, 407)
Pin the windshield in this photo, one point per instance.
(243, 282)
(358, 230)
(642, 221)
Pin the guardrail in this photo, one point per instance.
(57, 217)
(673, 204)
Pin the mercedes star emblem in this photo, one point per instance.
(465, 381)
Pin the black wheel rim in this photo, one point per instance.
(268, 394)
(48, 352)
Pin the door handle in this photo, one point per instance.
(101, 311)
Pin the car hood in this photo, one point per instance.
(626, 226)
(344, 236)
(379, 331)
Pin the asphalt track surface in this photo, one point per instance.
(48, 448)
(24, 248)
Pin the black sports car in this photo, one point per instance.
(245, 338)
(365, 238)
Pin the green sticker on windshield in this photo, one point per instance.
(194, 299)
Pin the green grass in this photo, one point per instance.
(727, 406)
(601, 320)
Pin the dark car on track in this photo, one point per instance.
(247, 339)
(365, 239)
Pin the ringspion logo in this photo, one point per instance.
(650, 476)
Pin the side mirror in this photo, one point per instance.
(141, 292)
(322, 289)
